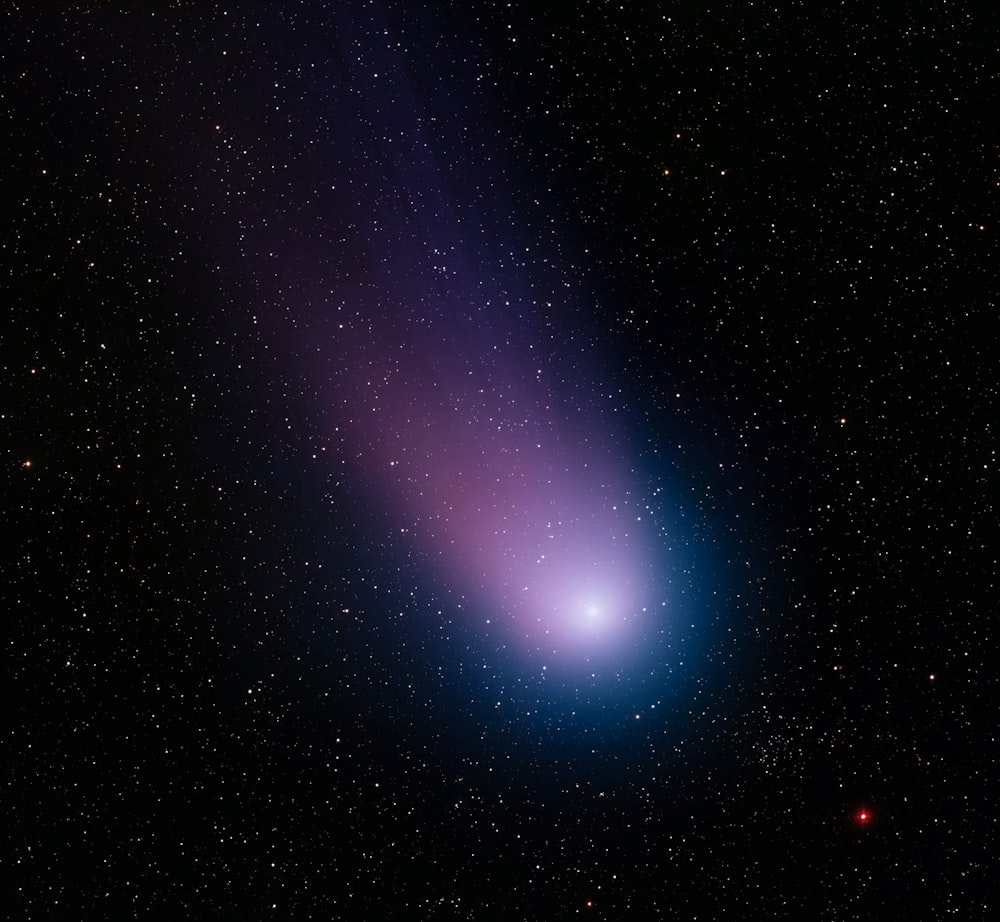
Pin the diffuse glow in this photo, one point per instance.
(479, 423)
(558, 560)
(530, 518)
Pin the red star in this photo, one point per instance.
(863, 816)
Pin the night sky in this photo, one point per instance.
(483, 461)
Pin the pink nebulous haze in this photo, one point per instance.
(519, 497)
